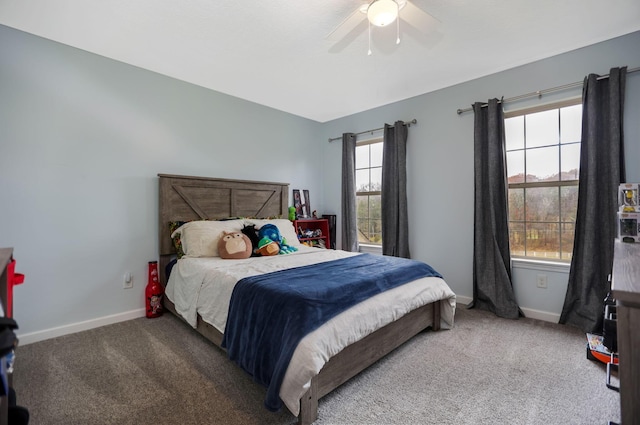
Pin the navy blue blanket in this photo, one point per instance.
(269, 314)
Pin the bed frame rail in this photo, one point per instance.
(355, 358)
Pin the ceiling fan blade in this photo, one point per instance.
(346, 26)
(418, 18)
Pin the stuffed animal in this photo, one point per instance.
(267, 247)
(292, 213)
(286, 248)
(271, 232)
(252, 234)
(234, 245)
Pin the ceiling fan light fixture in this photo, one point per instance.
(382, 12)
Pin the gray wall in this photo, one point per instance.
(440, 152)
(82, 139)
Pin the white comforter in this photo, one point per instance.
(204, 286)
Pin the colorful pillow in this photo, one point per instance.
(200, 238)
(234, 245)
(177, 242)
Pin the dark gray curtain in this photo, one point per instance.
(395, 221)
(601, 171)
(492, 287)
(349, 223)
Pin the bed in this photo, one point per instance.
(424, 303)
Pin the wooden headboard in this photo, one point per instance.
(185, 198)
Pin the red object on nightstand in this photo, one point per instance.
(153, 292)
(13, 279)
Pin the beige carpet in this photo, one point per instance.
(158, 371)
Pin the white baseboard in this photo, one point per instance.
(32, 337)
(463, 301)
(540, 315)
(546, 316)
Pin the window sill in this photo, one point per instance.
(371, 249)
(549, 266)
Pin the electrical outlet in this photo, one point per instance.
(127, 282)
(541, 281)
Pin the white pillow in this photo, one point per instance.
(200, 238)
(287, 231)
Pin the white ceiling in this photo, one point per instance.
(276, 53)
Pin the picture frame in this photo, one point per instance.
(306, 205)
(297, 202)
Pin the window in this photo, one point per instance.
(543, 163)
(368, 191)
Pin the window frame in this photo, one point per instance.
(544, 184)
(359, 143)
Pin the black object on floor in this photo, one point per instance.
(17, 415)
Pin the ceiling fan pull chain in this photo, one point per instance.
(369, 52)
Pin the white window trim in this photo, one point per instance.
(363, 247)
(528, 262)
(370, 249)
(540, 265)
(543, 107)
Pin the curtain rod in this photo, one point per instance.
(539, 93)
(413, 121)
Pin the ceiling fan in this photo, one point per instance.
(382, 13)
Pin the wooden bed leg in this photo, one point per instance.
(436, 316)
(309, 405)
